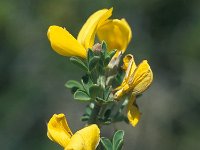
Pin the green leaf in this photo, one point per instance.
(107, 92)
(79, 63)
(120, 145)
(101, 66)
(87, 83)
(72, 83)
(94, 90)
(118, 139)
(104, 46)
(90, 54)
(74, 89)
(106, 143)
(108, 57)
(82, 96)
(93, 62)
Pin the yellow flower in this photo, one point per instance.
(136, 80)
(116, 33)
(84, 139)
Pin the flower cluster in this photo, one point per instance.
(105, 84)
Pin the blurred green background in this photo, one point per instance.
(32, 76)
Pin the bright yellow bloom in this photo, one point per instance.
(136, 81)
(84, 139)
(116, 33)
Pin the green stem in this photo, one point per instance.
(94, 115)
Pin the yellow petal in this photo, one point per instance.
(119, 92)
(116, 33)
(129, 66)
(85, 139)
(128, 28)
(141, 79)
(133, 113)
(58, 130)
(86, 35)
(76, 143)
(127, 60)
(64, 43)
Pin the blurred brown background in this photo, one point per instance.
(32, 76)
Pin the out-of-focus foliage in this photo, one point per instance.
(32, 76)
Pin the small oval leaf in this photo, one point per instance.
(72, 83)
(106, 143)
(119, 146)
(94, 90)
(81, 96)
(118, 139)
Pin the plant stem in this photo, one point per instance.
(94, 115)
